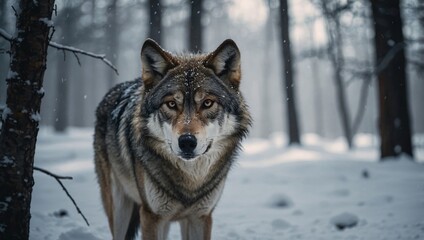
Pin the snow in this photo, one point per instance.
(36, 117)
(273, 192)
(6, 112)
(41, 91)
(47, 21)
(6, 161)
(11, 74)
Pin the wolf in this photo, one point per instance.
(164, 143)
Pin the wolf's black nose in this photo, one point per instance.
(187, 143)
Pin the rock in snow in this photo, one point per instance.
(344, 220)
(281, 201)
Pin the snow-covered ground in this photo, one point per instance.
(317, 191)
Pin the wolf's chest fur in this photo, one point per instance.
(161, 203)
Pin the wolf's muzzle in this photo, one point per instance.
(187, 144)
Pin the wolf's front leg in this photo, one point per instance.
(153, 227)
(195, 227)
(123, 208)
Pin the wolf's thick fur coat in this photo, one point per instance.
(148, 175)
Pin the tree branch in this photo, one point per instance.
(384, 62)
(58, 178)
(82, 52)
(75, 51)
(52, 174)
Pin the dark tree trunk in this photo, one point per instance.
(20, 124)
(112, 39)
(292, 122)
(394, 123)
(4, 58)
(195, 29)
(155, 25)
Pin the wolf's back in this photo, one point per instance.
(112, 100)
(111, 117)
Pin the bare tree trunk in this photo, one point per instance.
(4, 58)
(61, 121)
(335, 53)
(155, 26)
(265, 121)
(112, 39)
(317, 98)
(195, 29)
(394, 123)
(338, 61)
(21, 117)
(362, 105)
(292, 121)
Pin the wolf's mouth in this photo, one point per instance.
(190, 156)
(209, 147)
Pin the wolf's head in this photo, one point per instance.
(192, 103)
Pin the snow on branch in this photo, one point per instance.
(74, 50)
(58, 178)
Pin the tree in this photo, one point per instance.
(266, 70)
(155, 25)
(332, 11)
(63, 69)
(21, 116)
(4, 59)
(195, 26)
(112, 37)
(292, 121)
(317, 95)
(394, 123)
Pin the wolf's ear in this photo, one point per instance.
(155, 63)
(225, 62)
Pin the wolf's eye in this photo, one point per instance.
(207, 103)
(171, 105)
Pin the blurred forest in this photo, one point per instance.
(335, 68)
(332, 54)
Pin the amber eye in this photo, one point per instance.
(207, 103)
(171, 104)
